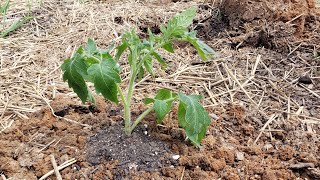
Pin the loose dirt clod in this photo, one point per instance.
(301, 165)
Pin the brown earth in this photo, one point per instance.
(234, 148)
(227, 150)
(270, 24)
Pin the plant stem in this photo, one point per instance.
(121, 94)
(127, 103)
(131, 86)
(140, 118)
(127, 120)
(145, 113)
(128, 128)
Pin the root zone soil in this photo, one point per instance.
(103, 152)
(95, 137)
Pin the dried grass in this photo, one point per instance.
(30, 58)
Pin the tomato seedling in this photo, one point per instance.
(98, 66)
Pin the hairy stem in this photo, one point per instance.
(127, 104)
(131, 86)
(127, 120)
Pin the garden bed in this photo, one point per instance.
(262, 93)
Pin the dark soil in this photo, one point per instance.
(138, 152)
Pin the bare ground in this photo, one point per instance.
(262, 92)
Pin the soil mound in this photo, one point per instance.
(270, 24)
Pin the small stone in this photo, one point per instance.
(305, 79)
(267, 147)
(145, 125)
(64, 158)
(239, 156)
(301, 165)
(145, 132)
(175, 157)
(132, 166)
(310, 86)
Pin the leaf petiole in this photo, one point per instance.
(149, 54)
(145, 113)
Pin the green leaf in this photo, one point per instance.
(15, 26)
(134, 44)
(169, 47)
(105, 79)
(163, 29)
(204, 51)
(159, 59)
(145, 45)
(79, 50)
(91, 97)
(120, 50)
(72, 72)
(185, 18)
(148, 65)
(140, 73)
(193, 118)
(80, 65)
(91, 46)
(151, 37)
(182, 115)
(104, 54)
(148, 100)
(164, 94)
(162, 103)
(130, 58)
(4, 8)
(162, 108)
(178, 25)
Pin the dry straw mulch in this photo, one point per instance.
(31, 56)
(259, 79)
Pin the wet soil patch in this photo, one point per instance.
(138, 152)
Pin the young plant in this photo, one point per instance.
(102, 69)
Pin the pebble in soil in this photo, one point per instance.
(138, 152)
